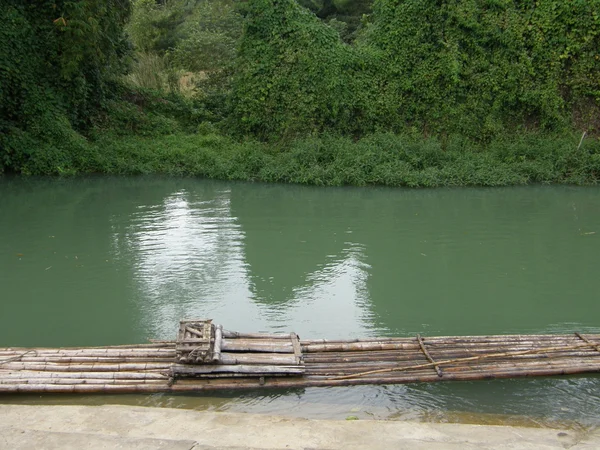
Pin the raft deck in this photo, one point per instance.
(234, 360)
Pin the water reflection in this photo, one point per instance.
(187, 261)
(333, 299)
(503, 255)
(347, 262)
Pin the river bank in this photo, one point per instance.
(107, 427)
(381, 159)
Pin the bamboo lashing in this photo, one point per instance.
(585, 339)
(428, 356)
(16, 358)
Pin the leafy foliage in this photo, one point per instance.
(57, 62)
(379, 159)
(419, 93)
(479, 68)
(186, 47)
(346, 16)
(293, 74)
(208, 38)
(154, 25)
(194, 35)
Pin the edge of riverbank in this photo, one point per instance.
(380, 159)
(132, 427)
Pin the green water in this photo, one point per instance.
(120, 260)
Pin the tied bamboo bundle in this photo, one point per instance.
(251, 360)
(544, 350)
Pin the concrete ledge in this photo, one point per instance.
(126, 427)
(19, 439)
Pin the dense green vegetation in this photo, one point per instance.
(59, 62)
(479, 68)
(397, 92)
(381, 158)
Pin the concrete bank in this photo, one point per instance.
(126, 427)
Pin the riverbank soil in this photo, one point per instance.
(126, 427)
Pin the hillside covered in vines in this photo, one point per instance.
(253, 89)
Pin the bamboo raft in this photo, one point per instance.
(206, 357)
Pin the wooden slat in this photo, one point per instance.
(239, 368)
(192, 341)
(297, 348)
(237, 335)
(258, 358)
(234, 345)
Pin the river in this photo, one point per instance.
(94, 261)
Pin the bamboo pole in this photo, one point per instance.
(86, 375)
(218, 343)
(481, 364)
(308, 382)
(441, 354)
(83, 359)
(519, 360)
(366, 357)
(472, 358)
(490, 368)
(455, 339)
(147, 368)
(358, 346)
(212, 384)
(383, 345)
(88, 381)
(85, 388)
(356, 340)
(487, 347)
(15, 357)
(158, 345)
(195, 333)
(500, 337)
(95, 367)
(428, 340)
(399, 355)
(497, 368)
(297, 348)
(140, 353)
